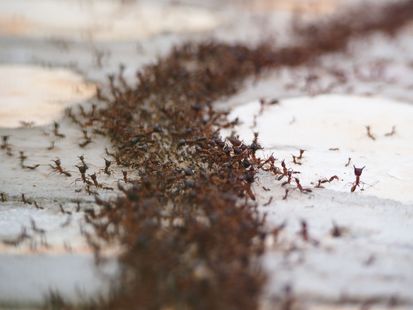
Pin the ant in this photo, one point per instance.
(114, 155)
(322, 181)
(87, 139)
(63, 210)
(370, 134)
(25, 200)
(37, 205)
(304, 231)
(125, 176)
(299, 186)
(348, 162)
(51, 147)
(336, 231)
(268, 202)
(56, 130)
(107, 165)
(391, 133)
(3, 197)
(58, 168)
(357, 173)
(97, 184)
(82, 170)
(5, 144)
(22, 160)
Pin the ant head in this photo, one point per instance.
(358, 171)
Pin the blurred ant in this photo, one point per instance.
(25, 200)
(286, 194)
(348, 162)
(268, 202)
(37, 205)
(63, 210)
(19, 239)
(370, 134)
(58, 167)
(3, 197)
(52, 145)
(56, 130)
(22, 160)
(391, 133)
(87, 140)
(107, 165)
(113, 155)
(357, 173)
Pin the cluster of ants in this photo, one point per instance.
(191, 231)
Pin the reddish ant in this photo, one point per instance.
(322, 181)
(125, 176)
(58, 168)
(357, 173)
(303, 190)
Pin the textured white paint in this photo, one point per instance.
(321, 123)
(39, 95)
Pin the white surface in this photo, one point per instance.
(321, 123)
(100, 19)
(39, 95)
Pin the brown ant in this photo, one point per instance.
(3, 197)
(391, 133)
(125, 176)
(348, 162)
(63, 210)
(304, 231)
(286, 194)
(299, 186)
(357, 173)
(268, 202)
(370, 134)
(322, 181)
(5, 144)
(25, 200)
(56, 130)
(82, 170)
(336, 231)
(22, 160)
(86, 138)
(107, 165)
(37, 205)
(114, 155)
(51, 147)
(58, 167)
